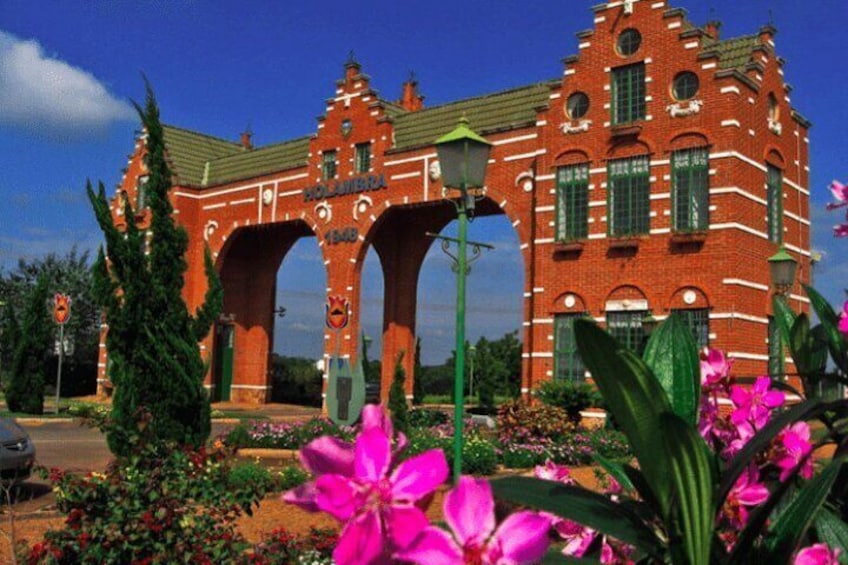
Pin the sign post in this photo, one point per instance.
(345, 385)
(61, 314)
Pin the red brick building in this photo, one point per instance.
(657, 174)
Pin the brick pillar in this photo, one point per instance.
(249, 275)
(402, 245)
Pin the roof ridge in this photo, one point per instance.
(489, 95)
(235, 144)
(260, 148)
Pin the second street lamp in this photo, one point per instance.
(463, 157)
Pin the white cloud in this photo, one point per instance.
(48, 97)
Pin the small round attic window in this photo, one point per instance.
(629, 41)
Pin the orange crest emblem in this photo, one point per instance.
(61, 308)
(337, 312)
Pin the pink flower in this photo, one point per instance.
(840, 230)
(818, 554)
(375, 504)
(469, 511)
(843, 316)
(550, 471)
(793, 447)
(327, 455)
(746, 492)
(840, 192)
(715, 368)
(754, 404)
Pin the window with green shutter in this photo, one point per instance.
(362, 159)
(629, 190)
(141, 202)
(567, 363)
(698, 322)
(626, 327)
(628, 93)
(572, 203)
(690, 189)
(328, 165)
(774, 183)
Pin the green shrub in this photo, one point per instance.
(291, 477)
(479, 456)
(522, 422)
(573, 397)
(159, 504)
(524, 456)
(424, 418)
(284, 548)
(254, 480)
(397, 398)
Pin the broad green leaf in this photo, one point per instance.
(800, 344)
(582, 506)
(833, 531)
(615, 470)
(636, 400)
(784, 316)
(555, 556)
(693, 483)
(792, 524)
(835, 341)
(672, 355)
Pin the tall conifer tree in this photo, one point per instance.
(30, 359)
(152, 341)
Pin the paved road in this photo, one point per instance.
(72, 447)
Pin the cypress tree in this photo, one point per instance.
(397, 398)
(30, 358)
(418, 383)
(152, 341)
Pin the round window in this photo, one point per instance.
(577, 105)
(685, 85)
(629, 41)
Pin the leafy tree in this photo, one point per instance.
(25, 386)
(153, 338)
(397, 398)
(69, 274)
(489, 371)
(295, 380)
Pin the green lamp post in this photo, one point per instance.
(782, 267)
(463, 157)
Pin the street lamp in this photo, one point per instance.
(463, 157)
(782, 267)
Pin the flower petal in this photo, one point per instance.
(405, 523)
(303, 496)
(373, 454)
(521, 538)
(328, 455)
(337, 496)
(375, 416)
(360, 542)
(419, 476)
(469, 510)
(433, 545)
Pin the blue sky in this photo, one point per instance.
(68, 68)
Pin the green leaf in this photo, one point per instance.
(791, 526)
(784, 316)
(636, 400)
(582, 506)
(672, 355)
(616, 471)
(800, 344)
(555, 556)
(835, 341)
(833, 531)
(691, 473)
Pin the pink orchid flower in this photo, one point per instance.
(327, 455)
(375, 504)
(550, 471)
(715, 368)
(843, 316)
(840, 230)
(840, 192)
(469, 511)
(793, 447)
(746, 492)
(818, 554)
(754, 404)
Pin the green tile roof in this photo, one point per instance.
(733, 53)
(259, 161)
(500, 111)
(189, 151)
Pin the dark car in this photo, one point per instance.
(17, 454)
